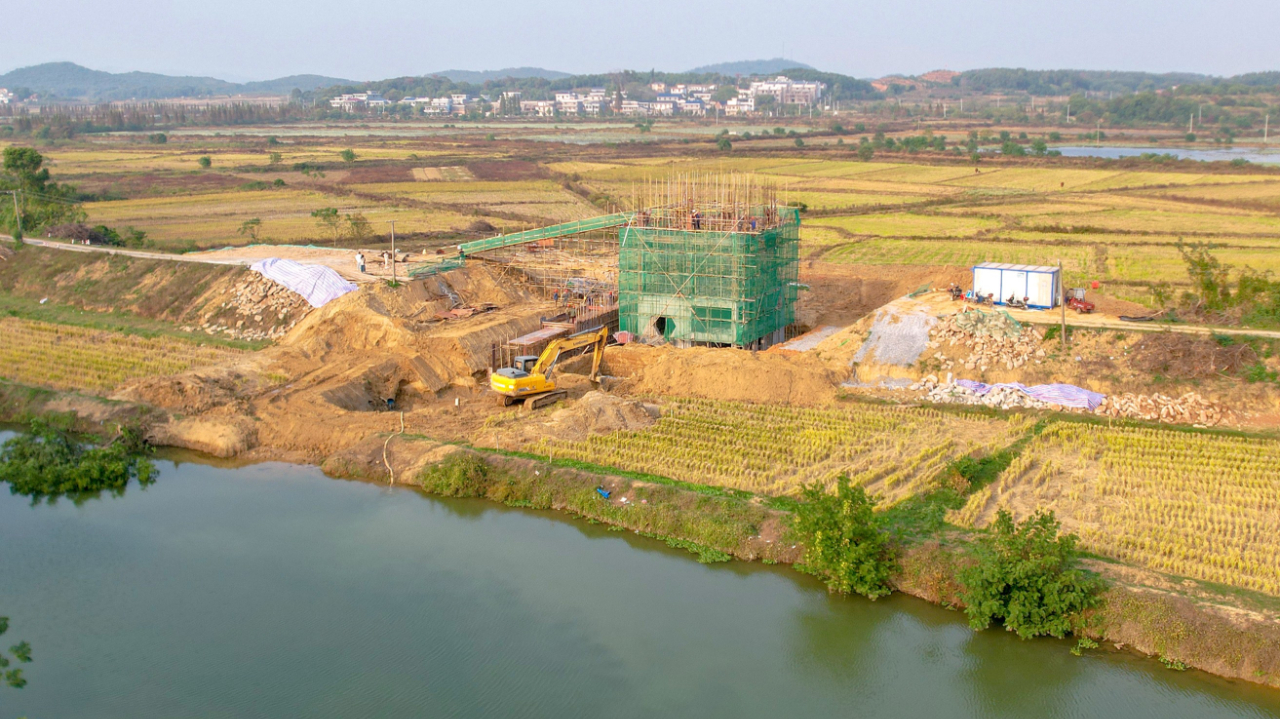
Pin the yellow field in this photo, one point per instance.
(893, 452)
(65, 357)
(863, 212)
(1193, 505)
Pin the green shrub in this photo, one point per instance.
(461, 474)
(843, 541)
(1027, 576)
(48, 462)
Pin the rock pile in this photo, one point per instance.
(994, 339)
(1190, 408)
(1001, 397)
(258, 309)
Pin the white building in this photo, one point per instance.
(352, 102)
(6, 97)
(741, 105)
(538, 108)
(787, 91)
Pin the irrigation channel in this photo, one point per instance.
(272, 591)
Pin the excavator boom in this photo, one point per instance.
(536, 388)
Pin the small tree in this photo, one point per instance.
(724, 145)
(799, 142)
(843, 541)
(866, 151)
(358, 227)
(1027, 576)
(328, 218)
(348, 155)
(274, 158)
(1039, 147)
(1207, 273)
(21, 653)
(249, 228)
(204, 161)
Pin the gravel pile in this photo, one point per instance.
(1000, 397)
(896, 338)
(1190, 408)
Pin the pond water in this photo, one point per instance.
(1226, 154)
(272, 591)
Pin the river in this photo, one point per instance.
(1226, 154)
(272, 591)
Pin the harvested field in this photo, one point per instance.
(62, 357)
(1200, 506)
(772, 449)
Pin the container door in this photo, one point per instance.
(986, 281)
(1014, 282)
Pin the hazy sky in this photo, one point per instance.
(372, 39)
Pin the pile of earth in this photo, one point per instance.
(737, 375)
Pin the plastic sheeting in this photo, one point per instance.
(317, 283)
(1067, 395)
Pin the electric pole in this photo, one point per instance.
(393, 252)
(17, 215)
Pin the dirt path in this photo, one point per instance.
(341, 261)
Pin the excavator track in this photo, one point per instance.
(545, 399)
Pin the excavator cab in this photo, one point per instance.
(521, 366)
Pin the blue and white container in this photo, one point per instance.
(1040, 284)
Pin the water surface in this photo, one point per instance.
(272, 591)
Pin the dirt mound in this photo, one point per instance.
(1184, 356)
(841, 294)
(729, 374)
(218, 436)
(602, 413)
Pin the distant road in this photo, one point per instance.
(128, 253)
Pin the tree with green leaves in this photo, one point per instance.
(348, 155)
(31, 200)
(1207, 273)
(48, 461)
(723, 144)
(249, 228)
(274, 158)
(204, 161)
(866, 151)
(1039, 147)
(843, 541)
(328, 218)
(20, 653)
(1027, 576)
(358, 228)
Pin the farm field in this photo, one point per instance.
(770, 449)
(1192, 505)
(77, 358)
(1118, 226)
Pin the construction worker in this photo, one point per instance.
(360, 262)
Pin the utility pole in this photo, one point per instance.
(1098, 137)
(393, 252)
(1062, 303)
(17, 214)
(1191, 121)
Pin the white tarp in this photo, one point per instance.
(317, 283)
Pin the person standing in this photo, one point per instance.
(360, 262)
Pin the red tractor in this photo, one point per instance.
(1077, 302)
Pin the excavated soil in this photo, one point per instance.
(738, 375)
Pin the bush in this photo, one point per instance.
(204, 161)
(843, 541)
(158, 138)
(1027, 576)
(461, 474)
(48, 462)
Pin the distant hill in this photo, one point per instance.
(69, 81)
(752, 67)
(1067, 82)
(478, 77)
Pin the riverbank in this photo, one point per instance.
(1167, 623)
(1182, 625)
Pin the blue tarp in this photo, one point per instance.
(1067, 395)
(317, 283)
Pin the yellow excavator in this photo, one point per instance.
(528, 379)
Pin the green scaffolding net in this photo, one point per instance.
(710, 286)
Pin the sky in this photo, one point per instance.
(243, 40)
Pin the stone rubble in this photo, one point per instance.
(1190, 408)
(993, 339)
(260, 309)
